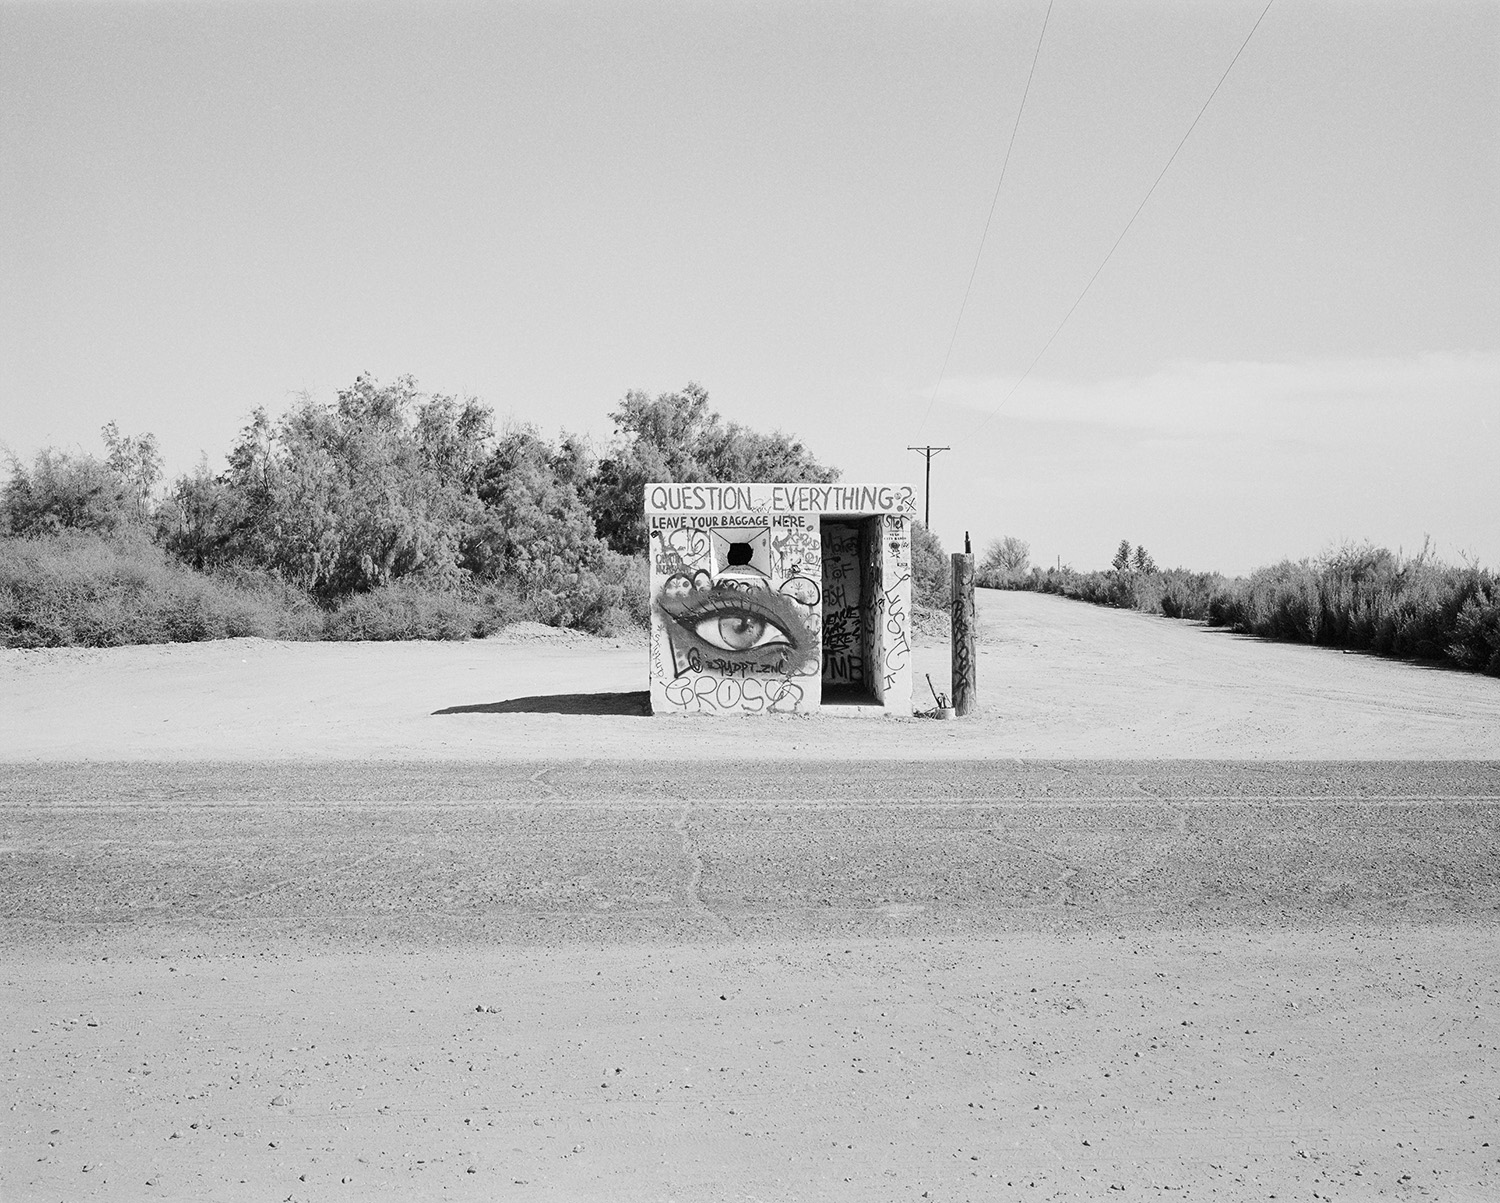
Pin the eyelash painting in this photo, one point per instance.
(738, 627)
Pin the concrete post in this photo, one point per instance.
(965, 685)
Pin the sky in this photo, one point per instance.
(210, 207)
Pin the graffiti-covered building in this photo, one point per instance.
(780, 598)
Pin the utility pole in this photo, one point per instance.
(927, 454)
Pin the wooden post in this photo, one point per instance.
(965, 685)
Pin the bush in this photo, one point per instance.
(1009, 556)
(1279, 602)
(1476, 635)
(1370, 599)
(342, 498)
(58, 492)
(608, 600)
(79, 589)
(994, 577)
(931, 569)
(296, 615)
(84, 590)
(1186, 594)
(1358, 597)
(335, 505)
(611, 598)
(405, 611)
(1101, 588)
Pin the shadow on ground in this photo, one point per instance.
(636, 702)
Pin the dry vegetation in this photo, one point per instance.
(1362, 598)
(389, 514)
(392, 514)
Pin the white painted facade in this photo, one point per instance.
(780, 598)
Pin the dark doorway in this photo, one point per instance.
(848, 618)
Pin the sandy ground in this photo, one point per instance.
(1057, 679)
(274, 929)
(1351, 1064)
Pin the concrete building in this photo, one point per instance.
(780, 598)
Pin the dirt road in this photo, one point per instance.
(540, 947)
(626, 852)
(602, 981)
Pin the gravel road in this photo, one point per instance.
(562, 981)
(566, 851)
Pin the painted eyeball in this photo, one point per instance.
(740, 631)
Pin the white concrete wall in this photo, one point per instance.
(893, 614)
(737, 595)
(730, 637)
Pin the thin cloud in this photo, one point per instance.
(1207, 397)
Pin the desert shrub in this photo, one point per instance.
(296, 615)
(340, 498)
(91, 591)
(997, 576)
(1008, 555)
(405, 610)
(931, 569)
(1402, 607)
(993, 577)
(202, 518)
(1185, 594)
(1133, 582)
(1282, 602)
(611, 598)
(1101, 588)
(532, 521)
(614, 597)
(1356, 596)
(81, 589)
(1031, 582)
(58, 491)
(1476, 634)
(1370, 599)
(1105, 588)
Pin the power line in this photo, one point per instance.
(927, 454)
(969, 287)
(1128, 224)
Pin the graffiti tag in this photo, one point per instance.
(751, 694)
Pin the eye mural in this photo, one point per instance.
(758, 588)
(736, 626)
